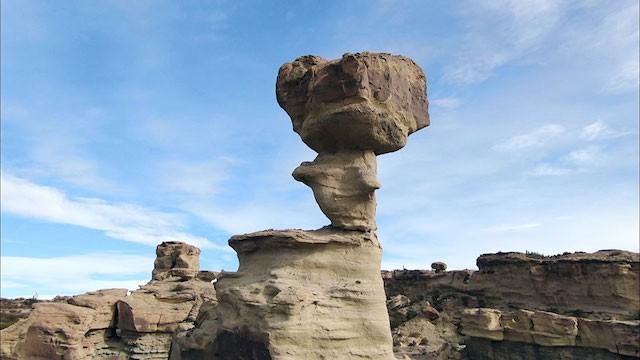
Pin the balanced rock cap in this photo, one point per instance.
(363, 101)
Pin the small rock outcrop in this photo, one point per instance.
(115, 323)
(175, 258)
(438, 266)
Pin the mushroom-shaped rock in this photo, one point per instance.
(363, 101)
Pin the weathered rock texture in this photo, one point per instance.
(114, 323)
(522, 306)
(318, 294)
(343, 185)
(349, 110)
(176, 259)
(363, 101)
(443, 315)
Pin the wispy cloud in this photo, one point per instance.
(500, 32)
(73, 274)
(535, 138)
(512, 227)
(599, 130)
(594, 130)
(446, 102)
(584, 156)
(117, 220)
(549, 170)
(195, 178)
(58, 144)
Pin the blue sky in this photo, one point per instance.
(128, 123)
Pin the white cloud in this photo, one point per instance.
(446, 103)
(535, 138)
(549, 170)
(117, 220)
(500, 32)
(59, 144)
(73, 274)
(512, 227)
(244, 218)
(584, 156)
(195, 178)
(593, 130)
(598, 130)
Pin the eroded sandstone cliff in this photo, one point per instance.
(521, 306)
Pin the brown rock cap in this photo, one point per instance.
(363, 101)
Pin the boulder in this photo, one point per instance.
(439, 266)
(362, 101)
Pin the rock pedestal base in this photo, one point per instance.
(303, 295)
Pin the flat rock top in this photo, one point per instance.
(606, 256)
(295, 237)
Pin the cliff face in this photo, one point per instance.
(572, 306)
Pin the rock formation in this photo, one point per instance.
(318, 294)
(521, 306)
(349, 110)
(433, 314)
(109, 324)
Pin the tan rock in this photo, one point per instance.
(343, 185)
(551, 329)
(12, 339)
(103, 302)
(304, 295)
(57, 331)
(147, 320)
(518, 326)
(363, 101)
(175, 258)
(482, 323)
(622, 337)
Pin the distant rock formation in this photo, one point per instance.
(575, 306)
(109, 324)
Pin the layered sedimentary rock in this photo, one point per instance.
(318, 294)
(175, 258)
(343, 185)
(525, 306)
(349, 110)
(115, 323)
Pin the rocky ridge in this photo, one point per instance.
(115, 323)
(433, 314)
(520, 306)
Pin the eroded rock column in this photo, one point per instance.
(318, 294)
